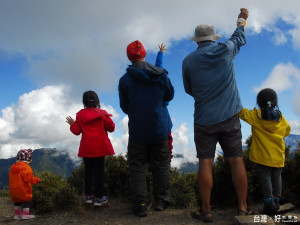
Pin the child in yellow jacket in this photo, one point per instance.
(269, 127)
(21, 180)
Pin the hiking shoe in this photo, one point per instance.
(18, 214)
(27, 217)
(88, 199)
(277, 203)
(160, 205)
(25, 214)
(100, 201)
(17, 217)
(141, 210)
(270, 208)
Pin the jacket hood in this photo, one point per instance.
(270, 125)
(18, 167)
(88, 114)
(146, 72)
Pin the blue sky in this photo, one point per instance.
(53, 51)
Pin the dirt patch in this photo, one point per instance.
(115, 213)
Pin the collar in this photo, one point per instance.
(204, 44)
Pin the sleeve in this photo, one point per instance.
(75, 128)
(159, 59)
(237, 40)
(186, 80)
(28, 177)
(288, 129)
(169, 89)
(247, 115)
(109, 125)
(123, 95)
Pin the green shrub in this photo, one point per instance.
(53, 193)
(4, 193)
(76, 180)
(184, 189)
(223, 192)
(254, 185)
(290, 179)
(117, 179)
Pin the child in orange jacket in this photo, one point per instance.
(21, 180)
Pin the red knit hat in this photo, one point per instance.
(136, 51)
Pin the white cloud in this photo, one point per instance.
(38, 121)
(181, 146)
(120, 143)
(283, 77)
(295, 102)
(295, 33)
(72, 42)
(279, 37)
(295, 126)
(83, 68)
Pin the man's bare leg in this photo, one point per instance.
(239, 179)
(205, 182)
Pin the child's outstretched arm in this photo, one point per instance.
(74, 126)
(249, 116)
(70, 120)
(30, 178)
(159, 57)
(108, 123)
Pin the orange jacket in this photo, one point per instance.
(20, 182)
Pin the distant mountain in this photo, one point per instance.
(60, 163)
(292, 140)
(52, 160)
(186, 167)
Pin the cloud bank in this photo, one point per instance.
(38, 120)
(66, 42)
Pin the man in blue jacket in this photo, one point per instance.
(144, 91)
(208, 76)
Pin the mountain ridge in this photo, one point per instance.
(60, 163)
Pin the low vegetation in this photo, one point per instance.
(56, 193)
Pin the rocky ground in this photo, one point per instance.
(117, 213)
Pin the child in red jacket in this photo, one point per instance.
(93, 123)
(21, 180)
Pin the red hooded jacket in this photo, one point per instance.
(93, 124)
(21, 180)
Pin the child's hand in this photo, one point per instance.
(70, 120)
(162, 47)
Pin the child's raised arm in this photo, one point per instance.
(159, 57)
(162, 47)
